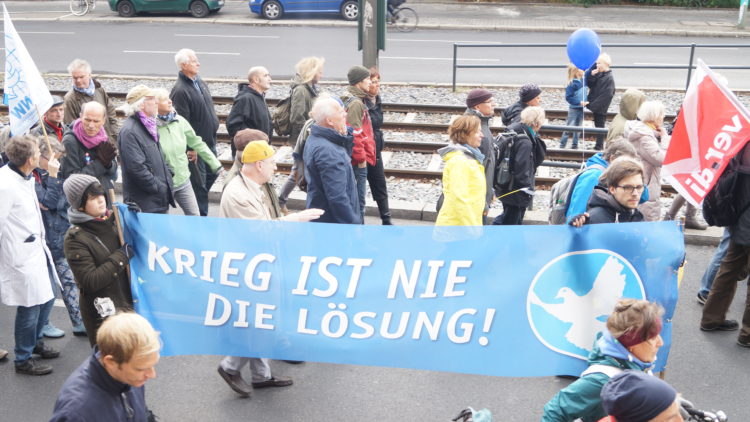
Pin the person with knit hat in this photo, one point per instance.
(146, 178)
(634, 396)
(479, 103)
(245, 197)
(358, 117)
(98, 261)
(529, 95)
(631, 340)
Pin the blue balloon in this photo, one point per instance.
(584, 47)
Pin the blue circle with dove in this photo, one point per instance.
(571, 297)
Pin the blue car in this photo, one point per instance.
(275, 9)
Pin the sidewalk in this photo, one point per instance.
(451, 15)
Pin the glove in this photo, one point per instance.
(127, 250)
(105, 153)
(132, 206)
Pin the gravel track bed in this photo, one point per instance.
(409, 160)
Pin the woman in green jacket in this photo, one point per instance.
(631, 341)
(175, 136)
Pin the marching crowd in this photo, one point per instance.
(57, 231)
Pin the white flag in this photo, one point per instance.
(25, 90)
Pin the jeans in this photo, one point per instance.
(185, 198)
(289, 185)
(599, 121)
(575, 118)
(511, 216)
(713, 266)
(30, 321)
(360, 175)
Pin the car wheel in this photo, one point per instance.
(198, 9)
(126, 9)
(272, 10)
(350, 10)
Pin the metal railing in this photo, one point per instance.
(689, 66)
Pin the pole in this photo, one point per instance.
(690, 65)
(369, 12)
(743, 15)
(455, 59)
(44, 131)
(118, 223)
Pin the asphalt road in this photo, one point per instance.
(708, 368)
(139, 47)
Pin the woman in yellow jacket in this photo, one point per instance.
(464, 185)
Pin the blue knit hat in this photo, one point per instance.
(634, 396)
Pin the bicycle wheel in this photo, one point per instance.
(79, 7)
(405, 19)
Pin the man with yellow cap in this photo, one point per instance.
(244, 197)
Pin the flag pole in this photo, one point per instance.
(44, 131)
(118, 224)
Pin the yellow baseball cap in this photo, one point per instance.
(256, 151)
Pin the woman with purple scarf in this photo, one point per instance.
(146, 179)
(88, 149)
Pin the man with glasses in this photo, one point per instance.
(618, 202)
(480, 103)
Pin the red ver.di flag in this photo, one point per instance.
(712, 127)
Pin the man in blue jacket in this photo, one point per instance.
(108, 386)
(328, 171)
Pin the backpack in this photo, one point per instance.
(721, 205)
(281, 120)
(503, 147)
(560, 194)
(299, 148)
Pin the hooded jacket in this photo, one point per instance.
(741, 230)
(249, 111)
(74, 100)
(575, 94)
(489, 153)
(604, 208)
(303, 97)
(358, 117)
(581, 398)
(464, 188)
(601, 90)
(585, 184)
(651, 152)
(512, 114)
(528, 154)
(197, 107)
(174, 137)
(629, 104)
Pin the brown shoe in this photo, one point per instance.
(727, 325)
(273, 382)
(236, 383)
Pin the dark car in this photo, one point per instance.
(197, 8)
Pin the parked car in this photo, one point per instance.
(275, 9)
(197, 8)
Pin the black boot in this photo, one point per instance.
(385, 211)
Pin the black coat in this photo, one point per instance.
(512, 114)
(601, 90)
(79, 159)
(375, 108)
(528, 153)
(146, 179)
(196, 107)
(249, 111)
(604, 208)
(741, 230)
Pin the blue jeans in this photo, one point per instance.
(713, 266)
(30, 321)
(360, 175)
(575, 118)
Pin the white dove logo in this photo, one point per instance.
(570, 298)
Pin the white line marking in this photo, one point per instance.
(448, 41)
(226, 36)
(718, 48)
(173, 52)
(438, 58)
(43, 32)
(661, 64)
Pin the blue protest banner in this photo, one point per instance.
(506, 301)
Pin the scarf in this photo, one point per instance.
(167, 118)
(150, 124)
(89, 142)
(475, 152)
(87, 91)
(58, 129)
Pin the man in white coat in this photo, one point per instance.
(26, 266)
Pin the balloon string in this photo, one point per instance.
(583, 126)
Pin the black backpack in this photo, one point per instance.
(504, 159)
(721, 205)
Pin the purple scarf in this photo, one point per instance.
(89, 142)
(150, 124)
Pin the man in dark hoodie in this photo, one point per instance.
(250, 110)
(479, 103)
(529, 95)
(601, 85)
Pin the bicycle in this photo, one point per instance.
(81, 7)
(405, 19)
(697, 415)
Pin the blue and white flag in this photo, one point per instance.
(494, 300)
(25, 90)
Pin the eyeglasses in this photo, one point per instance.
(630, 188)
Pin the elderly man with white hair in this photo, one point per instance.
(85, 89)
(250, 110)
(328, 171)
(192, 100)
(146, 179)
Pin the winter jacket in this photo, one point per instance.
(375, 108)
(575, 93)
(528, 153)
(604, 208)
(54, 208)
(25, 260)
(79, 159)
(249, 111)
(243, 198)
(647, 145)
(585, 184)
(91, 394)
(741, 230)
(489, 154)
(581, 398)
(174, 137)
(358, 117)
(74, 100)
(629, 104)
(512, 114)
(267, 188)
(330, 177)
(146, 179)
(303, 97)
(37, 130)
(464, 188)
(92, 248)
(197, 107)
(601, 90)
